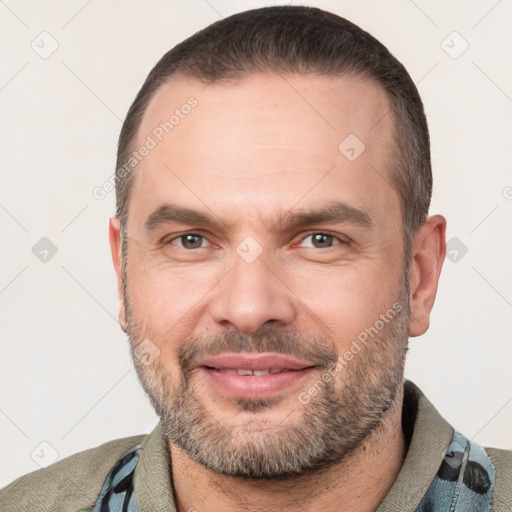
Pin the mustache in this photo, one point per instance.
(290, 343)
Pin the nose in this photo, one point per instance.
(251, 295)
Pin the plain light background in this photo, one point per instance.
(66, 379)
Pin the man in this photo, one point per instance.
(274, 254)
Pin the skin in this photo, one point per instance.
(251, 150)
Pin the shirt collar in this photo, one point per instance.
(430, 435)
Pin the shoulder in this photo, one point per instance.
(502, 462)
(70, 484)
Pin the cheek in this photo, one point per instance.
(344, 301)
(165, 292)
(167, 302)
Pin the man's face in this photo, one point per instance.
(295, 251)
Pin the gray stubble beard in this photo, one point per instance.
(335, 423)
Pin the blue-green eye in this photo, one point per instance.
(321, 241)
(318, 240)
(189, 241)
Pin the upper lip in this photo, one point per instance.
(253, 361)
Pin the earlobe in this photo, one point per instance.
(428, 253)
(114, 232)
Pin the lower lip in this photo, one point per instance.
(251, 386)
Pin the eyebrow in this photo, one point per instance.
(168, 213)
(334, 212)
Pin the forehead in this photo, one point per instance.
(266, 137)
(331, 106)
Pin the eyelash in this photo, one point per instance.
(341, 240)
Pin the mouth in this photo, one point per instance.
(247, 372)
(250, 375)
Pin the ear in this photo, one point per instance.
(428, 253)
(114, 234)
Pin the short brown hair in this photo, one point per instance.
(307, 40)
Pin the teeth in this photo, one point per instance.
(246, 372)
(261, 372)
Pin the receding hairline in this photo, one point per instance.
(394, 153)
(243, 75)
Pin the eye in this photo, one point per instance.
(321, 241)
(188, 241)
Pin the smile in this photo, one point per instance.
(247, 372)
(253, 375)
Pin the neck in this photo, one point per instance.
(358, 483)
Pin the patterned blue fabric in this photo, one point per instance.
(117, 494)
(464, 482)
